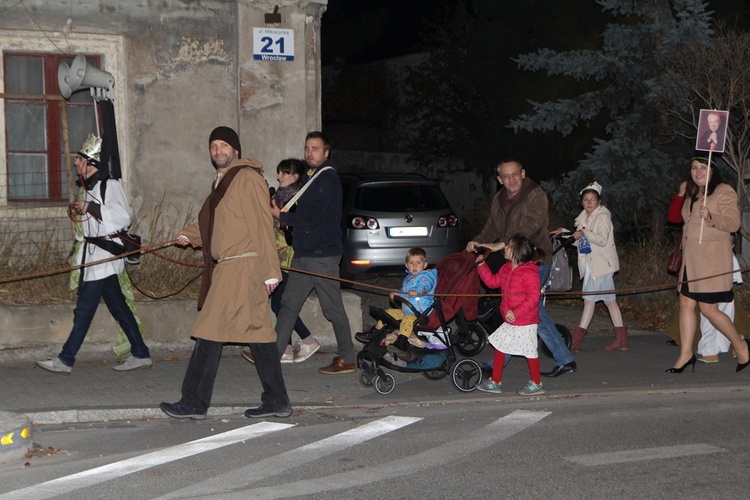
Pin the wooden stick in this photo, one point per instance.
(705, 193)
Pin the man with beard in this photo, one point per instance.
(317, 247)
(235, 230)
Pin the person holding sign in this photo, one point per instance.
(705, 275)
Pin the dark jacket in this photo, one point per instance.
(528, 215)
(317, 221)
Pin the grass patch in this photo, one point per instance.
(161, 274)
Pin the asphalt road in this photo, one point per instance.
(690, 444)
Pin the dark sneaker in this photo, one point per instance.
(367, 336)
(338, 366)
(561, 370)
(178, 410)
(262, 411)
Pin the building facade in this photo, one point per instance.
(181, 68)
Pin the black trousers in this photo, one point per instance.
(198, 384)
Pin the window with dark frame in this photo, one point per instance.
(37, 167)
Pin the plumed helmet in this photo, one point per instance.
(91, 148)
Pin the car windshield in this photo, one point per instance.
(402, 197)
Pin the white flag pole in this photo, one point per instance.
(705, 193)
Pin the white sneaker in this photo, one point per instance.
(133, 363)
(54, 365)
(287, 357)
(305, 351)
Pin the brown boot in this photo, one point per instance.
(578, 336)
(621, 340)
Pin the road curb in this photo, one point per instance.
(16, 435)
(94, 415)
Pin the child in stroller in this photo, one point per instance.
(417, 290)
(456, 274)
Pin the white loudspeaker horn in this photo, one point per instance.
(81, 75)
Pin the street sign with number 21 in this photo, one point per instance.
(273, 44)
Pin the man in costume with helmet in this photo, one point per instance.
(104, 212)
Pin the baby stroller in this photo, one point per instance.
(560, 280)
(456, 274)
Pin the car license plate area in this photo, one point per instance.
(406, 232)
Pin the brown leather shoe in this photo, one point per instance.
(338, 366)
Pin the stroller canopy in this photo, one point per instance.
(457, 274)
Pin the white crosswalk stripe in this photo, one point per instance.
(237, 483)
(285, 461)
(98, 475)
(662, 452)
(450, 451)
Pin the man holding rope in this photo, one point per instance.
(521, 206)
(235, 229)
(103, 213)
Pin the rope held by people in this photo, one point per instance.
(622, 291)
(42, 274)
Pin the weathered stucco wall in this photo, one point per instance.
(184, 67)
(181, 68)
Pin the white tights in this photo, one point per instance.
(588, 312)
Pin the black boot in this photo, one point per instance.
(401, 342)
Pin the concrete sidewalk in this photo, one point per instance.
(95, 392)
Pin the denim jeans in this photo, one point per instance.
(88, 301)
(547, 330)
(198, 384)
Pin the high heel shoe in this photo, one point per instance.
(690, 361)
(742, 366)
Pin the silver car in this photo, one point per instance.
(387, 214)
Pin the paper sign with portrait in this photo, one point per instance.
(712, 130)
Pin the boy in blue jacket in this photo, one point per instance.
(418, 289)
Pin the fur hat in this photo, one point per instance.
(227, 135)
(594, 186)
(91, 148)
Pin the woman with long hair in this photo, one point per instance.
(706, 273)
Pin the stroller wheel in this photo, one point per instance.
(435, 374)
(471, 339)
(365, 378)
(564, 333)
(384, 384)
(466, 375)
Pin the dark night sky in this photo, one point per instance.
(362, 31)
